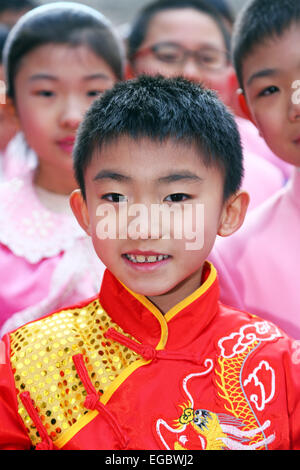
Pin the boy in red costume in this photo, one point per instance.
(154, 361)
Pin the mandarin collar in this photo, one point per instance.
(139, 317)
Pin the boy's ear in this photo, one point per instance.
(233, 214)
(80, 210)
(129, 73)
(244, 105)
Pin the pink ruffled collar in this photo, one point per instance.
(29, 229)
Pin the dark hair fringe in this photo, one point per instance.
(158, 108)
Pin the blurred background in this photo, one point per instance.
(123, 11)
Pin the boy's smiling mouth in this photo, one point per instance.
(145, 259)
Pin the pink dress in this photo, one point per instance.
(46, 260)
(17, 158)
(259, 265)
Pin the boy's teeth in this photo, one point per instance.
(145, 259)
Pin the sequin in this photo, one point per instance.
(42, 363)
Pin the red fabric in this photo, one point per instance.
(244, 393)
(13, 433)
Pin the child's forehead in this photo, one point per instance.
(56, 52)
(172, 23)
(66, 62)
(279, 53)
(132, 153)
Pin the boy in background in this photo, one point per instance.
(259, 264)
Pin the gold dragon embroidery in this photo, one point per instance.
(237, 428)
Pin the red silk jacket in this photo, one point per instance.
(114, 373)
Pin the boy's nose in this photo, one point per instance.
(139, 226)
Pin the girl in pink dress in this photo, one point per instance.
(57, 59)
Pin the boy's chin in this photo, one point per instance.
(146, 291)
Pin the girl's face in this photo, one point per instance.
(54, 87)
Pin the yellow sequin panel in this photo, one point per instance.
(42, 362)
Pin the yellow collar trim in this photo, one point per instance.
(80, 424)
(195, 295)
(156, 312)
(163, 319)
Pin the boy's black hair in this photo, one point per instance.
(141, 24)
(3, 36)
(62, 23)
(257, 22)
(17, 5)
(160, 108)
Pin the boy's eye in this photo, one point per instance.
(94, 93)
(269, 91)
(114, 197)
(177, 197)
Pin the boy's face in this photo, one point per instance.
(134, 178)
(270, 76)
(194, 31)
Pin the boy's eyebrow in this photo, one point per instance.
(261, 74)
(185, 175)
(171, 178)
(110, 174)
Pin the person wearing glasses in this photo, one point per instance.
(189, 38)
(183, 38)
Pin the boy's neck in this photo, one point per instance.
(166, 301)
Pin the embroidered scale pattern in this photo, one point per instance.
(229, 372)
(41, 357)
